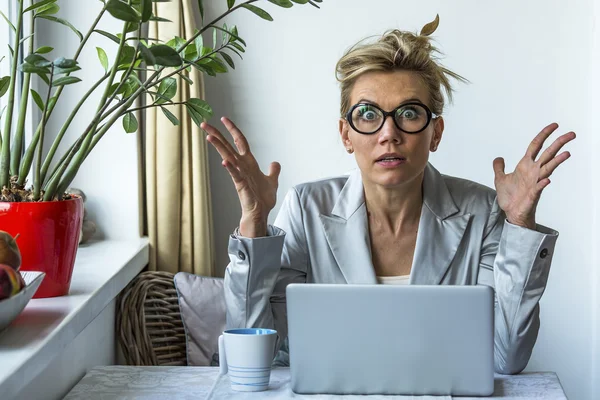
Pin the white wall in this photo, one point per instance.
(529, 63)
(109, 176)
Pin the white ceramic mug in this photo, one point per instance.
(246, 356)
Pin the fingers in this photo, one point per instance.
(536, 144)
(555, 147)
(233, 171)
(211, 130)
(274, 170)
(238, 137)
(551, 165)
(541, 185)
(225, 152)
(499, 167)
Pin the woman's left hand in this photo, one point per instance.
(519, 191)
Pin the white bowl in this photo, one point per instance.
(10, 308)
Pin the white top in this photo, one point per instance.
(393, 280)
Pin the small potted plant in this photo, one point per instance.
(47, 218)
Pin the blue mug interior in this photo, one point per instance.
(251, 331)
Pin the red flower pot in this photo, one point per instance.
(48, 239)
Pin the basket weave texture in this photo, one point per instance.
(149, 326)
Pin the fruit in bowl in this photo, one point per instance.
(11, 281)
(9, 250)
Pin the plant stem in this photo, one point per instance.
(5, 157)
(37, 182)
(63, 130)
(90, 130)
(29, 153)
(152, 105)
(17, 148)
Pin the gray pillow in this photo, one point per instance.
(202, 304)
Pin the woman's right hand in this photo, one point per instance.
(257, 191)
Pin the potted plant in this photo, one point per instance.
(47, 218)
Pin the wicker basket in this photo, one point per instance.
(149, 326)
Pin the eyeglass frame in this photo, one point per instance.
(430, 116)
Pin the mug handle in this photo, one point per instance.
(222, 357)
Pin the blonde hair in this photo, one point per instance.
(397, 50)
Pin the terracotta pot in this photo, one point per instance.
(48, 239)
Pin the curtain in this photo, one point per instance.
(178, 216)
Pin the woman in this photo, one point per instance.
(397, 220)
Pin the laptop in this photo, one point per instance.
(392, 340)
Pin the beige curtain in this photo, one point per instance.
(177, 192)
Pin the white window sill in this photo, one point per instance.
(47, 326)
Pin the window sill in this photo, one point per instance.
(47, 326)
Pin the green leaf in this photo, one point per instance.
(59, 71)
(63, 22)
(199, 42)
(176, 43)
(48, 9)
(37, 99)
(199, 110)
(130, 86)
(131, 27)
(230, 4)
(233, 33)
(166, 56)
(45, 78)
(239, 47)
(44, 50)
(8, 22)
(39, 4)
(37, 60)
(174, 120)
(146, 10)
(126, 56)
(282, 3)
(113, 87)
(227, 59)
(122, 11)
(185, 78)
(130, 123)
(159, 19)
(4, 85)
(103, 58)
(147, 55)
(205, 68)
(62, 62)
(201, 7)
(214, 63)
(191, 52)
(66, 80)
(300, 1)
(167, 90)
(258, 11)
(32, 69)
(108, 35)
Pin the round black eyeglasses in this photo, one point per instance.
(368, 118)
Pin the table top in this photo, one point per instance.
(180, 383)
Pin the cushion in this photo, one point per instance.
(202, 304)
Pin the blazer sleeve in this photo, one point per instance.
(261, 268)
(515, 261)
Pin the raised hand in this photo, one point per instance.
(519, 191)
(257, 192)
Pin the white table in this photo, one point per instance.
(179, 383)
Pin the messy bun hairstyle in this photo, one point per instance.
(398, 50)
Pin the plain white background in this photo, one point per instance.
(529, 64)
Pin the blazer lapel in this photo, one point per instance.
(347, 233)
(441, 229)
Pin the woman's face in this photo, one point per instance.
(391, 157)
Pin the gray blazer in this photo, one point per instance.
(321, 236)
